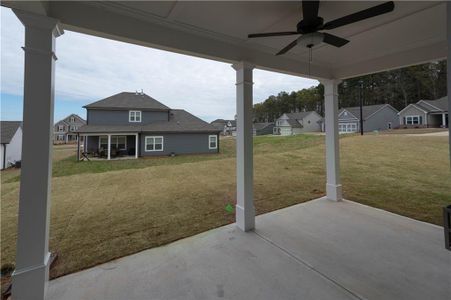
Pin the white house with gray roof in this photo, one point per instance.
(425, 113)
(10, 143)
(299, 122)
(135, 124)
(375, 117)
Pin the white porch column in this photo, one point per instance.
(136, 146)
(333, 185)
(444, 120)
(245, 211)
(109, 146)
(32, 255)
(448, 81)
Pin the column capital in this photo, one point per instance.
(39, 21)
(325, 81)
(243, 65)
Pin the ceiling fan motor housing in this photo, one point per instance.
(310, 26)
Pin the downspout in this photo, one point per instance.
(4, 157)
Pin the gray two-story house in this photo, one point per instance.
(135, 124)
(65, 130)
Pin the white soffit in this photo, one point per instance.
(413, 33)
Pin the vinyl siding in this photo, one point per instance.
(179, 143)
(412, 111)
(120, 117)
(380, 120)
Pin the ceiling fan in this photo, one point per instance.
(310, 26)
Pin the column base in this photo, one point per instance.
(245, 219)
(334, 192)
(31, 282)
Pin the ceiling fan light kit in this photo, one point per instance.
(311, 24)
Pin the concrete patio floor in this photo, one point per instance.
(315, 250)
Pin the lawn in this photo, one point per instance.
(104, 210)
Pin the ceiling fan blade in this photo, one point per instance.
(361, 15)
(334, 40)
(257, 35)
(288, 47)
(310, 10)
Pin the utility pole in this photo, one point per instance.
(361, 106)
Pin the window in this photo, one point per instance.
(134, 116)
(72, 128)
(60, 127)
(153, 143)
(347, 127)
(72, 119)
(413, 120)
(213, 142)
(118, 142)
(60, 137)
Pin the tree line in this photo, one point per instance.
(396, 87)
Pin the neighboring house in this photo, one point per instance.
(227, 127)
(65, 131)
(296, 123)
(11, 143)
(135, 124)
(375, 117)
(425, 113)
(263, 128)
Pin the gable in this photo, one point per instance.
(412, 109)
(346, 115)
(384, 109)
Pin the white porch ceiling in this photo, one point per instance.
(413, 33)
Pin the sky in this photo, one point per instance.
(89, 69)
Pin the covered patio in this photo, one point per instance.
(326, 249)
(121, 145)
(314, 250)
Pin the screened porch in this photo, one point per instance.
(109, 146)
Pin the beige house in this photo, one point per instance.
(425, 113)
(296, 123)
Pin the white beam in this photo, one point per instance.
(245, 211)
(109, 146)
(448, 81)
(32, 255)
(333, 185)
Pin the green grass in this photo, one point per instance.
(65, 165)
(104, 210)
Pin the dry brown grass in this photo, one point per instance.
(101, 216)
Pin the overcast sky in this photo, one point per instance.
(91, 68)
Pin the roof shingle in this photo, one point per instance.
(128, 100)
(8, 130)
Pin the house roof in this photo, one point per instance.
(8, 130)
(368, 110)
(128, 100)
(294, 117)
(65, 122)
(434, 105)
(179, 121)
(260, 126)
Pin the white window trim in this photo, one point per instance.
(60, 128)
(72, 119)
(413, 116)
(134, 113)
(216, 142)
(153, 137)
